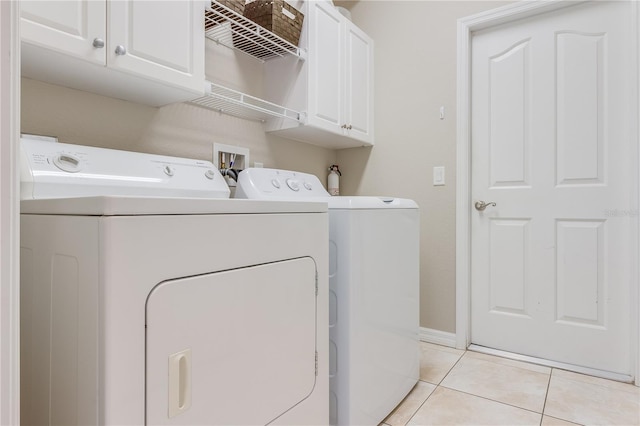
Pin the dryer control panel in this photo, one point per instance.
(58, 170)
(260, 183)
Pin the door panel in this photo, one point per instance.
(509, 265)
(580, 72)
(65, 26)
(164, 40)
(551, 145)
(580, 272)
(510, 95)
(359, 81)
(326, 67)
(234, 347)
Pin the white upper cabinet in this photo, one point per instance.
(333, 87)
(68, 27)
(150, 52)
(326, 69)
(161, 39)
(359, 85)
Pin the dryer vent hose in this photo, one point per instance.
(232, 173)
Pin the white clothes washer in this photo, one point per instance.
(373, 293)
(149, 299)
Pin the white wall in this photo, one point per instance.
(178, 129)
(415, 74)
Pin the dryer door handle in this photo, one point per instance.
(179, 382)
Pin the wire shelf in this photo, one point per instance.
(238, 104)
(226, 27)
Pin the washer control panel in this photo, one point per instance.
(58, 170)
(260, 183)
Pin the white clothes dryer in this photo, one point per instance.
(149, 299)
(373, 293)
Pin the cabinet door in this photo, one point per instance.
(66, 26)
(326, 56)
(160, 40)
(359, 84)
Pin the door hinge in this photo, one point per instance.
(316, 363)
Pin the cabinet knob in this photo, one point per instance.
(98, 43)
(349, 127)
(120, 50)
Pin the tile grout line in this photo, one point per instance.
(546, 395)
(452, 367)
(492, 400)
(436, 388)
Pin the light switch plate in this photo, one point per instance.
(438, 176)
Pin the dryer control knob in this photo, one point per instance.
(308, 186)
(168, 170)
(293, 184)
(209, 174)
(275, 183)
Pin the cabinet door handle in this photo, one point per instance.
(349, 127)
(120, 50)
(98, 43)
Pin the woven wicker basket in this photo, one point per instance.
(235, 5)
(278, 17)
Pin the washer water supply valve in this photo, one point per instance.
(333, 180)
(230, 160)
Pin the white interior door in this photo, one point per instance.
(551, 146)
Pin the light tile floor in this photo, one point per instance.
(468, 388)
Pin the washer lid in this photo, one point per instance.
(367, 203)
(58, 170)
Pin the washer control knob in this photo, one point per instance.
(67, 162)
(293, 184)
(308, 186)
(168, 170)
(210, 174)
(275, 183)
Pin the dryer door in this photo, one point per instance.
(232, 347)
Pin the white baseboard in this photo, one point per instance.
(437, 337)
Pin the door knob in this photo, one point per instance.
(120, 50)
(481, 205)
(98, 43)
